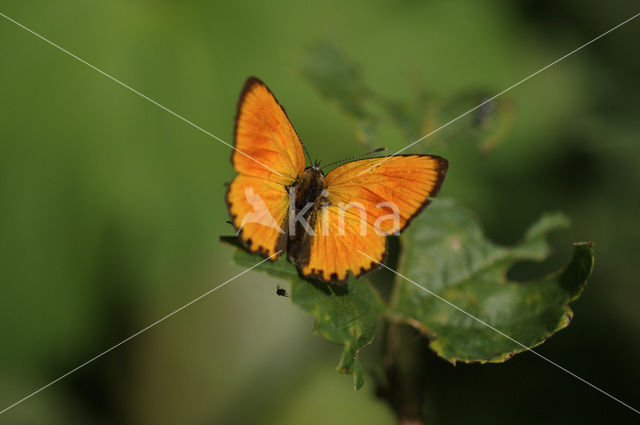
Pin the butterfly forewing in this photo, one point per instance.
(387, 186)
(369, 199)
(353, 209)
(268, 157)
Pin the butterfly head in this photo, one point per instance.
(315, 169)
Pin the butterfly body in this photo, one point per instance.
(309, 188)
(329, 225)
(309, 192)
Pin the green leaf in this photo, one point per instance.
(414, 118)
(339, 79)
(345, 314)
(447, 253)
(486, 125)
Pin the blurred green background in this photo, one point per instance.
(111, 208)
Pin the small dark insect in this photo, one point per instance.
(281, 291)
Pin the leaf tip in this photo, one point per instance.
(588, 244)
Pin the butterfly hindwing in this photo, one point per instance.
(374, 198)
(258, 209)
(268, 156)
(354, 208)
(337, 247)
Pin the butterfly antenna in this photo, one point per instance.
(307, 152)
(351, 158)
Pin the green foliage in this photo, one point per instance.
(345, 315)
(452, 284)
(446, 253)
(339, 79)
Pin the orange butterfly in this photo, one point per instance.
(276, 203)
